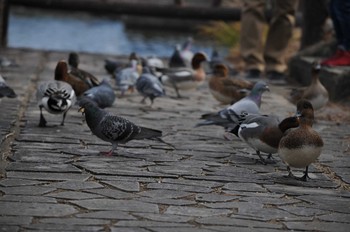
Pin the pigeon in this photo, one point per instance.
(263, 132)
(78, 79)
(112, 66)
(176, 60)
(316, 93)
(228, 117)
(126, 78)
(227, 90)
(57, 97)
(149, 86)
(112, 128)
(5, 90)
(103, 94)
(186, 52)
(303, 145)
(185, 78)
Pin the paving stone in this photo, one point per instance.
(166, 201)
(146, 224)
(303, 210)
(195, 211)
(317, 226)
(128, 186)
(115, 215)
(36, 209)
(74, 221)
(164, 217)
(224, 221)
(238, 229)
(212, 197)
(335, 217)
(48, 176)
(336, 204)
(26, 198)
(161, 229)
(15, 220)
(210, 184)
(42, 167)
(270, 200)
(112, 193)
(180, 187)
(247, 187)
(12, 182)
(9, 228)
(26, 190)
(164, 193)
(122, 205)
(175, 170)
(63, 227)
(128, 229)
(297, 190)
(73, 195)
(76, 185)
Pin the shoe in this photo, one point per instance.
(253, 74)
(342, 60)
(337, 54)
(276, 78)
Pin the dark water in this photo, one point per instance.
(67, 31)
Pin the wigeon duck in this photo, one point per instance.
(56, 97)
(5, 90)
(315, 93)
(78, 79)
(112, 128)
(126, 78)
(103, 94)
(149, 85)
(217, 59)
(302, 146)
(227, 90)
(263, 132)
(228, 117)
(185, 78)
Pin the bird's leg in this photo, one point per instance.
(143, 101)
(63, 118)
(42, 122)
(305, 176)
(262, 160)
(290, 174)
(110, 153)
(270, 159)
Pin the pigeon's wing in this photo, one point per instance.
(118, 129)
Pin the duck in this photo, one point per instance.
(227, 90)
(303, 145)
(316, 93)
(186, 52)
(217, 59)
(149, 86)
(126, 78)
(185, 78)
(263, 132)
(78, 79)
(57, 97)
(5, 90)
(228, 117)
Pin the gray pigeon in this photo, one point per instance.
(126, 78)
(149, 86)
(102, 94)
(57, 97)
(228, 117)
(112, 128)
(5, 90)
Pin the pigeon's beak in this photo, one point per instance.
(81, 110)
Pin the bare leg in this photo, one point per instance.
(64, 117)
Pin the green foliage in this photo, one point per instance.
(223, 33)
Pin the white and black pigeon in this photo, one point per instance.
(228, 117)
(263, 132)
(57, 97)
(149, 86)
(112, 128)
(103, 94)
(5, 90)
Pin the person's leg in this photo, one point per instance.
(280, 32)
(315, 13)
(252, 22)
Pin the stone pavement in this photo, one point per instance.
(53, 179)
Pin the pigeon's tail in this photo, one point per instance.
(7, 92)
(147, 133)
(211, 119)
